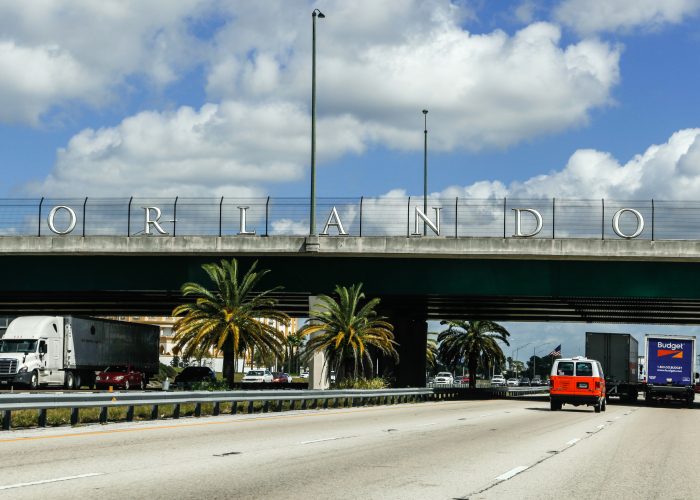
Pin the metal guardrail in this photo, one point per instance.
(308, 399)
(360, 216)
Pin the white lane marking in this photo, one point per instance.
(507, 475)
(573, 441)
(425, 425)
(325, 439)
(600, 426)
(44, 481)
(617, 418)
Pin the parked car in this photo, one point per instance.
(304, 374)
(536, 380)
(512, 382)
(498, 380)
(281, 377)
(462, 379)
(524, 381)
(194, 374)
(258, 376)
(120, 377)
(444, 378)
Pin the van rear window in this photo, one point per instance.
(565, 368)
(584, 369)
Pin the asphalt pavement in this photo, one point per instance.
(467, 449)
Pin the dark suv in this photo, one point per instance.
(193, 374)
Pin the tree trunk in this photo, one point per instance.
(229, 360)
(472, 363)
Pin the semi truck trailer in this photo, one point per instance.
(670, 368)
(67, 351)
(618, 353)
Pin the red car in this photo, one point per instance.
(280, 377)
(462, 379)
(120, 377)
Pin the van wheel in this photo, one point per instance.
(34, 381)
(555, 405)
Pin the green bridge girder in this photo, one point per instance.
(499, 289)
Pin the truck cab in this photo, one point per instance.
(31, 352)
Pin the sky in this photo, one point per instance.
(536, 99)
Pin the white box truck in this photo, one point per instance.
(67, 351)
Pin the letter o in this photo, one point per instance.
(71, 224)
(616, 223)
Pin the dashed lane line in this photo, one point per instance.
(46, 481)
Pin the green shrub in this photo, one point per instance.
(363, 383)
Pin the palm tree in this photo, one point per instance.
(472, 341)
(431, 352)
(346, 331)
(231, 318)
(294, 342)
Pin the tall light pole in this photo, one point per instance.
(516, 354)
(312, 215)
(425, 168)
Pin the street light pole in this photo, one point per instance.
(312, 216)
(516, 355)
(425, 168)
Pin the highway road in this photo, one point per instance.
(462, 449)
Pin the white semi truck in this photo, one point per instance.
(67, 351)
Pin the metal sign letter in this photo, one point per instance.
(434, 227)
(616, 223)
(149, 221)
(334, 220)
(518, 229)
(72, 219)
(242, 220)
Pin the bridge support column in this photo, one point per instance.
(318, 370)
(412, 336)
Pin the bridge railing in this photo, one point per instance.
(364, 216)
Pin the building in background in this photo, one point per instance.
(169, 351)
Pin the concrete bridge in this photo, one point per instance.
(509, 279)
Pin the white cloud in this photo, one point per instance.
(226, 149)
(379, 64)
(382, 62)
(593, 16)
(669, 171)
(64, 51)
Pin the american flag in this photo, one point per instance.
(556, 352)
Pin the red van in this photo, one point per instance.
(577, 381)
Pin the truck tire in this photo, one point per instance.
(555, 405)
(691, 401)
(603, 405)
(34, 381)
(69, 380)
(596, 407)
(77, 382)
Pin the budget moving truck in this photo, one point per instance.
(670, 368)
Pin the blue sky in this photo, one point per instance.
(561, 98)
